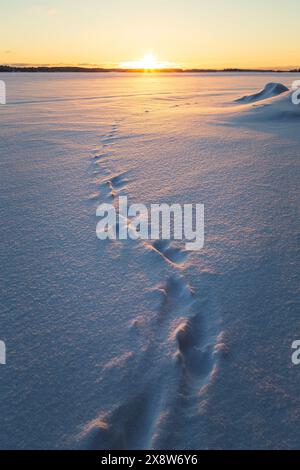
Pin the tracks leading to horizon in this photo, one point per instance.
(182, 333)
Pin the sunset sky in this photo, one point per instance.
(190, 33)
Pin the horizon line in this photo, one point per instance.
(96, 68)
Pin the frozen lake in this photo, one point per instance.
(117, 344)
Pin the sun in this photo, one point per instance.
(148, 62)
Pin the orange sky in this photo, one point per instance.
(194, 33)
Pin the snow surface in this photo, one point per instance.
(127, 344)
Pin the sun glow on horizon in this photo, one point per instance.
(128, 34)
(148, 62)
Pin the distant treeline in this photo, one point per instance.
(7, 68)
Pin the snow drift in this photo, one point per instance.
(269, 91)
(277, 109)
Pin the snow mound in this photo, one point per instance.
(276, 109)
(270, 90)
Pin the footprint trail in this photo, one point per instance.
(182, 333)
